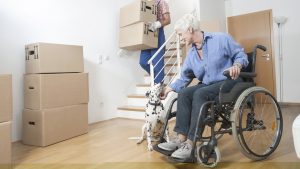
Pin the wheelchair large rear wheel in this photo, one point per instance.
(257, 123)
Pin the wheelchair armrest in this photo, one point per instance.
(242, 74)
(247, 74)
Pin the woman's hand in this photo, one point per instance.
(165, 92)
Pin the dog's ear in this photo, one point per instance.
(148, 93)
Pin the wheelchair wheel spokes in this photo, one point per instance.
(257, 128)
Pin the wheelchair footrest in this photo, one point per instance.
(185, 160)
(164, 152)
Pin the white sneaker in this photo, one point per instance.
(183, 152)
(170, 146)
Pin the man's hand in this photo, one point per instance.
(234, 71)
(165, 92)
(153, 26)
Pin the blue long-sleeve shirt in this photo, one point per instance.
(219, 52)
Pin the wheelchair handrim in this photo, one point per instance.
(238, 133)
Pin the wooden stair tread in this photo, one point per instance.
(174, 42)
(171, 64)
(132, 108)
(171, 49)
(143, 85)
(142, 96)
(169, 74)
(167, 57)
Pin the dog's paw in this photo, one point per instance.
(150, 148)
(139, 141)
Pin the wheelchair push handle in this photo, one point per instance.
(261, 47)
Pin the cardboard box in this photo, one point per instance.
(5, 145)
(138, 11)
(137, 37)
(5, 98)
(43, 91)
(53, 58)
(49, 126)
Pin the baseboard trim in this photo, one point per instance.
(286, 104)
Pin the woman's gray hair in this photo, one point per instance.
(186, 22)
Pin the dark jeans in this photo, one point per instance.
(189, 102)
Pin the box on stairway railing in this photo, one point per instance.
(53, 58)
(137, 37)
(49, 126)
(44, 91)
(138, 11)
(5, 98)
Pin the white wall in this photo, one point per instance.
(213, 10)
(93, 24)
(291, 39)
(178, 8)
(206, 10)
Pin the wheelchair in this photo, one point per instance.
(247, 112)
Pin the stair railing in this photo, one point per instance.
(174, 70)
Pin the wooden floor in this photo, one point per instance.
(107, 146)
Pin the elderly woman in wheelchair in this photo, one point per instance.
(225, 101)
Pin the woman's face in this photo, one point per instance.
(187, 35)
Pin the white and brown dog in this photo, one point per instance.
(155, 117)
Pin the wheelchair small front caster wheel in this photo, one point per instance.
(205, 158)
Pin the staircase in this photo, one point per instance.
(135, 107)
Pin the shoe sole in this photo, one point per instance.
(162, 151)
(167, 149)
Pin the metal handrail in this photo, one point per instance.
(178, 61)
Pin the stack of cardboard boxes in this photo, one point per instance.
(5, 120)
(134, 23)
(55, 94)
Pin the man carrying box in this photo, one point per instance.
(163, 19)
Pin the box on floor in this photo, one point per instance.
(49, 126)
(5, 98)
(5, 145)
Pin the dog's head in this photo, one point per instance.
(154, 93)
